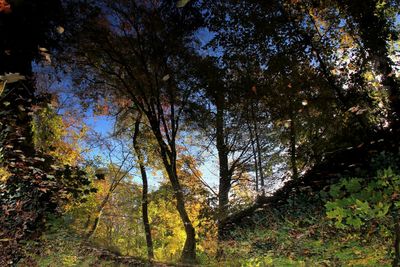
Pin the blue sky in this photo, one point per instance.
(103, 125)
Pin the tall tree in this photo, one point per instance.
(219, 103)
(138, 50)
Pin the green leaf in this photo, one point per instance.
(337, 213)
(363, 206)
(330, 205)
(354, 221)
(335, 191)
(353, 185)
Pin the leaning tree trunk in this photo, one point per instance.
(99, 212)
(189, 248)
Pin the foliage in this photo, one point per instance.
(29, 195)
(121, 227)
(372, 204)
(4, 174)
(54, 134)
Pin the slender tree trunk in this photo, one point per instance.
(224, 173)
(256, 133)
(260, 167)
(86, 225)
(145, 215)
(95, 224)
(99, 212)
(293, 161)
(253, 148)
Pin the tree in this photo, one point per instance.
(25, 26)
(138, 58)
(301, 54)
(116, 173)
(219, 103)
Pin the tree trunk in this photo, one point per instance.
(253, 148)
(168, 156)
(293, 161)
(224, 173)
(256, 134)
(86, 225)
(145, 215)
(189, 248)
(99, 212)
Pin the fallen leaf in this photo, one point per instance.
(60, 30)
(166, 78)
(12, 77)
(182, 3)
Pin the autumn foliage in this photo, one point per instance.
(5, 7)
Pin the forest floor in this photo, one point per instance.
(274, 237)
(284, 242)
(61, 247)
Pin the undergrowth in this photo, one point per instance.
(60, 246)
(304, 236)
